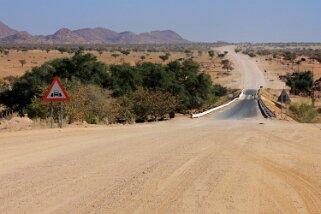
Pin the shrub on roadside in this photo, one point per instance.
(303, 112)
(152, 104)
(125, 110)
(300, 82)
(88, 103)
(91, 104)
(219, 90)
(290, 56)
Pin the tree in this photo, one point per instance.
(142, 57)
(251, 54)
(219, 90)
(22, 62)
(192, 88)
(153, 104)
(62, 50)
(115, 55)
(187, 52)
(165, 57)
(237, 50)
(289, 56)
(300, 83)
(155, 76)
(227, 64)
(125, 52)
(221, 55)
(211, 53)
(124, 79)
(100, 52)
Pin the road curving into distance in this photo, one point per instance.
(252, 78)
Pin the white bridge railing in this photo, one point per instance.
(217, 108)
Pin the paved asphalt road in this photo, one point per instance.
(246, 107)
(252, 78)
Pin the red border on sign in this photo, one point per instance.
(46, 99)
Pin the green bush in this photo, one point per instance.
(211, 53)
(125, 52)
(125, 110)
(237, 50)
(251, 54)
(124, 79)
(303, 113)
(219, 90)
(287, 55)
(164, 57)
(300, 82)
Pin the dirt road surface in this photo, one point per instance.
(251, 75)
(241, 165)
(180, 166)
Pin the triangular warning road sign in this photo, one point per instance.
(284, 97)
(56, 92)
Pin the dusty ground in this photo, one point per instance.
(278, 67)
(180, 166)
(15, 124)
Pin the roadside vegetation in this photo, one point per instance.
(300, 83)
(124, 49)
(107, 94)
(303, 84)
(303, 112)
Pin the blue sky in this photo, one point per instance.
(196, 20)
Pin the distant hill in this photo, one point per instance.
(99, 35)
(6, 31)
(19, 37)
(89, 36)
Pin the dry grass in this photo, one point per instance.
(277, 67)
(270, 98)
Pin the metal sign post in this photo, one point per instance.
(281, 108)
(284, 98)
(61, 114)
(286, 112)
(56, 93)
(51, 114)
